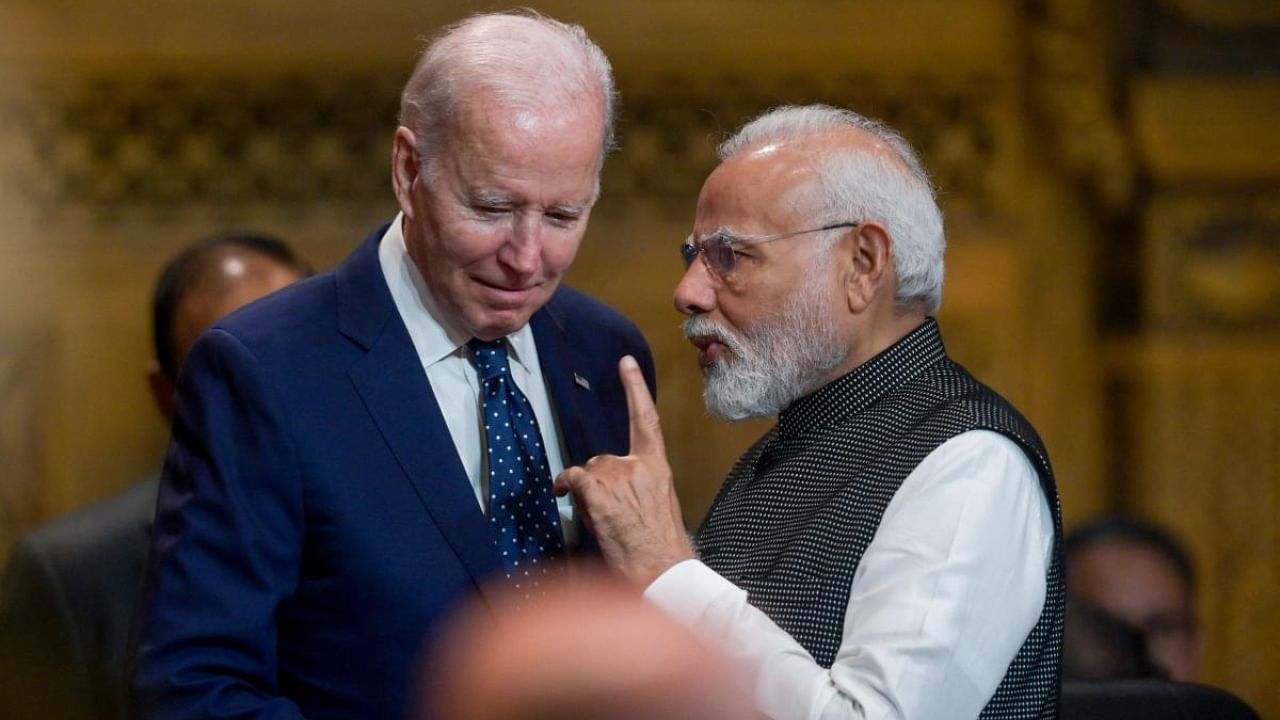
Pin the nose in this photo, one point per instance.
(522, 252)
(696, 292)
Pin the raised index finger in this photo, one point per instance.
(646, 427)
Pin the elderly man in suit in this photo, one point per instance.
(355, 457)
(71, 585)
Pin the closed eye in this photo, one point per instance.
(490, 211)
(562, 217)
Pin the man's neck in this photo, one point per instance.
(873, 338)
(884, 335)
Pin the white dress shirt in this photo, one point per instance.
(943, 598)
(442, 348)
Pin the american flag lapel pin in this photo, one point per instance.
(581, 381)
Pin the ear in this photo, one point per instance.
(405, 168)
(869, 258)
(163, 388)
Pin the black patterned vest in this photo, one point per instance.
(798, 510)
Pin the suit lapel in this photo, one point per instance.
(575, 393)
(570, 382)
(398, 396)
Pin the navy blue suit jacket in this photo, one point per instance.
(314, 523)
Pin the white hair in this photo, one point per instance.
(860, 184)
(519, 59)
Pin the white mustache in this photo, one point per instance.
(702, 326)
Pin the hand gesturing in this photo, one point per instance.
(629, 502)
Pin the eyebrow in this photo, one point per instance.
(725, 232)
(487, 197)
(568, 209)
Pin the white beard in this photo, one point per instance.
(775, 361)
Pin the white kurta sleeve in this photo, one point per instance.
(944, 596)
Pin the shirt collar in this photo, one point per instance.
(864, 385)
(522, 348)
(435, 334)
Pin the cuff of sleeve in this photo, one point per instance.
(688, 589)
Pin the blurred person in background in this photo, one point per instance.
(1134, 586)
(71, 585)
(371, 447)
(1097, 646)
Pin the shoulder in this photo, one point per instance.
(288, 338)
(594, 332)
(314, 322)
(962, 401)
(311, 311)
(586, 319)
(75, 544)
(983, 475)
(306, 307)
(579, 309)
(985, 456)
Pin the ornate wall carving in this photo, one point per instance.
(1072, 94)
(121, 143)
(670, 125)
(1214, 260)
(117, 142)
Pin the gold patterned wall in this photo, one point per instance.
(1109, 171)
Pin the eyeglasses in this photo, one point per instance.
(719, 250)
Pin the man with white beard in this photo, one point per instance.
(891, 548)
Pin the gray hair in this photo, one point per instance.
(862, 185)
(520, 58)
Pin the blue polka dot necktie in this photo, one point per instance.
(522, 506)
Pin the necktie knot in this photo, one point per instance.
(489, 358)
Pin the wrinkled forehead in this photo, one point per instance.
(478, 116)
(780, 179)
(498, 144)
(766, 189)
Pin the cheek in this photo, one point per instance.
(558, 254)
(454, 240)
(468, 243)
(741, 301)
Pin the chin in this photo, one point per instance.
(492, 325)
(490, 318)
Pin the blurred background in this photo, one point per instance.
(1110, 172)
